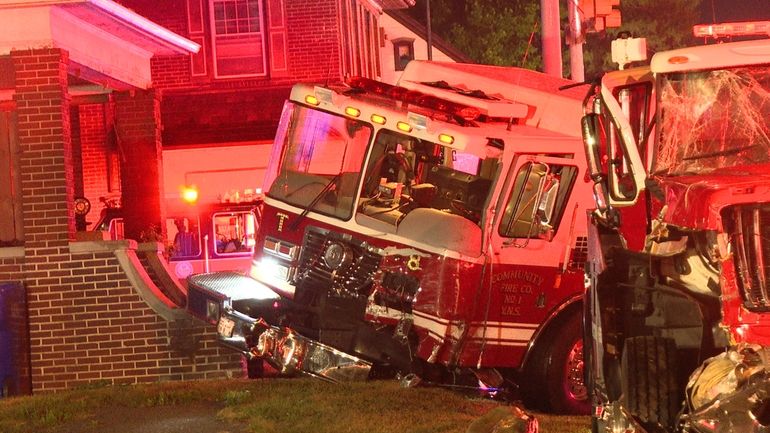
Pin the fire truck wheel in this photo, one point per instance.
(648, 380)
(557, 367)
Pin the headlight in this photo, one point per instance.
(265, 344)
(291, 351)
(271, 268)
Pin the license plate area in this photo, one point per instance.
(225, 327)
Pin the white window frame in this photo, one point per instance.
(262, 36)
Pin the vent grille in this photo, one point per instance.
(579, 254)
(352, 279)
(750, 234)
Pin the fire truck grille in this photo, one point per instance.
(750, 234)
(337, 263)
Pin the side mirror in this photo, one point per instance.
(591, 129)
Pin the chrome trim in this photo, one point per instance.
(278, 248)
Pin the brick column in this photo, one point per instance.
(137, 118)
(47, 180)
(47, 185)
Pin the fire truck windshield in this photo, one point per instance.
(713, 119)
(419, 189)
(319, 148)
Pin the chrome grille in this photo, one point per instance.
(352, 279)
(750, 234)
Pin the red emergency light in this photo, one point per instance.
(414, 97)
(747, 28)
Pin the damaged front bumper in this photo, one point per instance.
(244, 311)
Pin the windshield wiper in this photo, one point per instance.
(718, 153)
(328, 187)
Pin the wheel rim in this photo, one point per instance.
(574, 383)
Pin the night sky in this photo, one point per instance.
(735, 10)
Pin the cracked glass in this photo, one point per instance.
(713, 119)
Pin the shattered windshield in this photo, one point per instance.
(713, 119)
(319, 165)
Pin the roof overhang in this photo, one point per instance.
(396, 4)
(378, 6)
(108, 44)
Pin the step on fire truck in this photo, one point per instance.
(435, 229)
(678, 310)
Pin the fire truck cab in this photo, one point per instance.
(435, 229)
(677, 310)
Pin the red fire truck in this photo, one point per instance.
(435, 229)
(212, 205)
(678, 328)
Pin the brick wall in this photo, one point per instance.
(95, 156)
(313, 40)
(100, 329)
(86, 321)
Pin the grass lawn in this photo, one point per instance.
(276, 405)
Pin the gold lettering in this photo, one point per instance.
(509, 310)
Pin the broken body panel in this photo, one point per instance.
(431, 228)
(677, 317)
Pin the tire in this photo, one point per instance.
(557, 366)
(649, 381)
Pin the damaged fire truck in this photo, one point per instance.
(678, 315)
(434, 229)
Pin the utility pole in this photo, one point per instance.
(576, 66)
(551, 37)
(429, 39)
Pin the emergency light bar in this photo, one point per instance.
(747, 28)
(414, 97)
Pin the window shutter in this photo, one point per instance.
(276, 22)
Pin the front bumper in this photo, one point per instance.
(245, 311)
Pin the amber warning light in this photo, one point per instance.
(189, 194)
(414, 97)
(748, 28)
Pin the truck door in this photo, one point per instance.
(538, 240)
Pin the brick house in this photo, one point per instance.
(91, 93)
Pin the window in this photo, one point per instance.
(360, 39)
(238, 38)
(537, 201)
(234, 232)
(635, 101)
(403, 51)
(185, 236)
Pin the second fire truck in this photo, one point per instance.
(678, 309)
